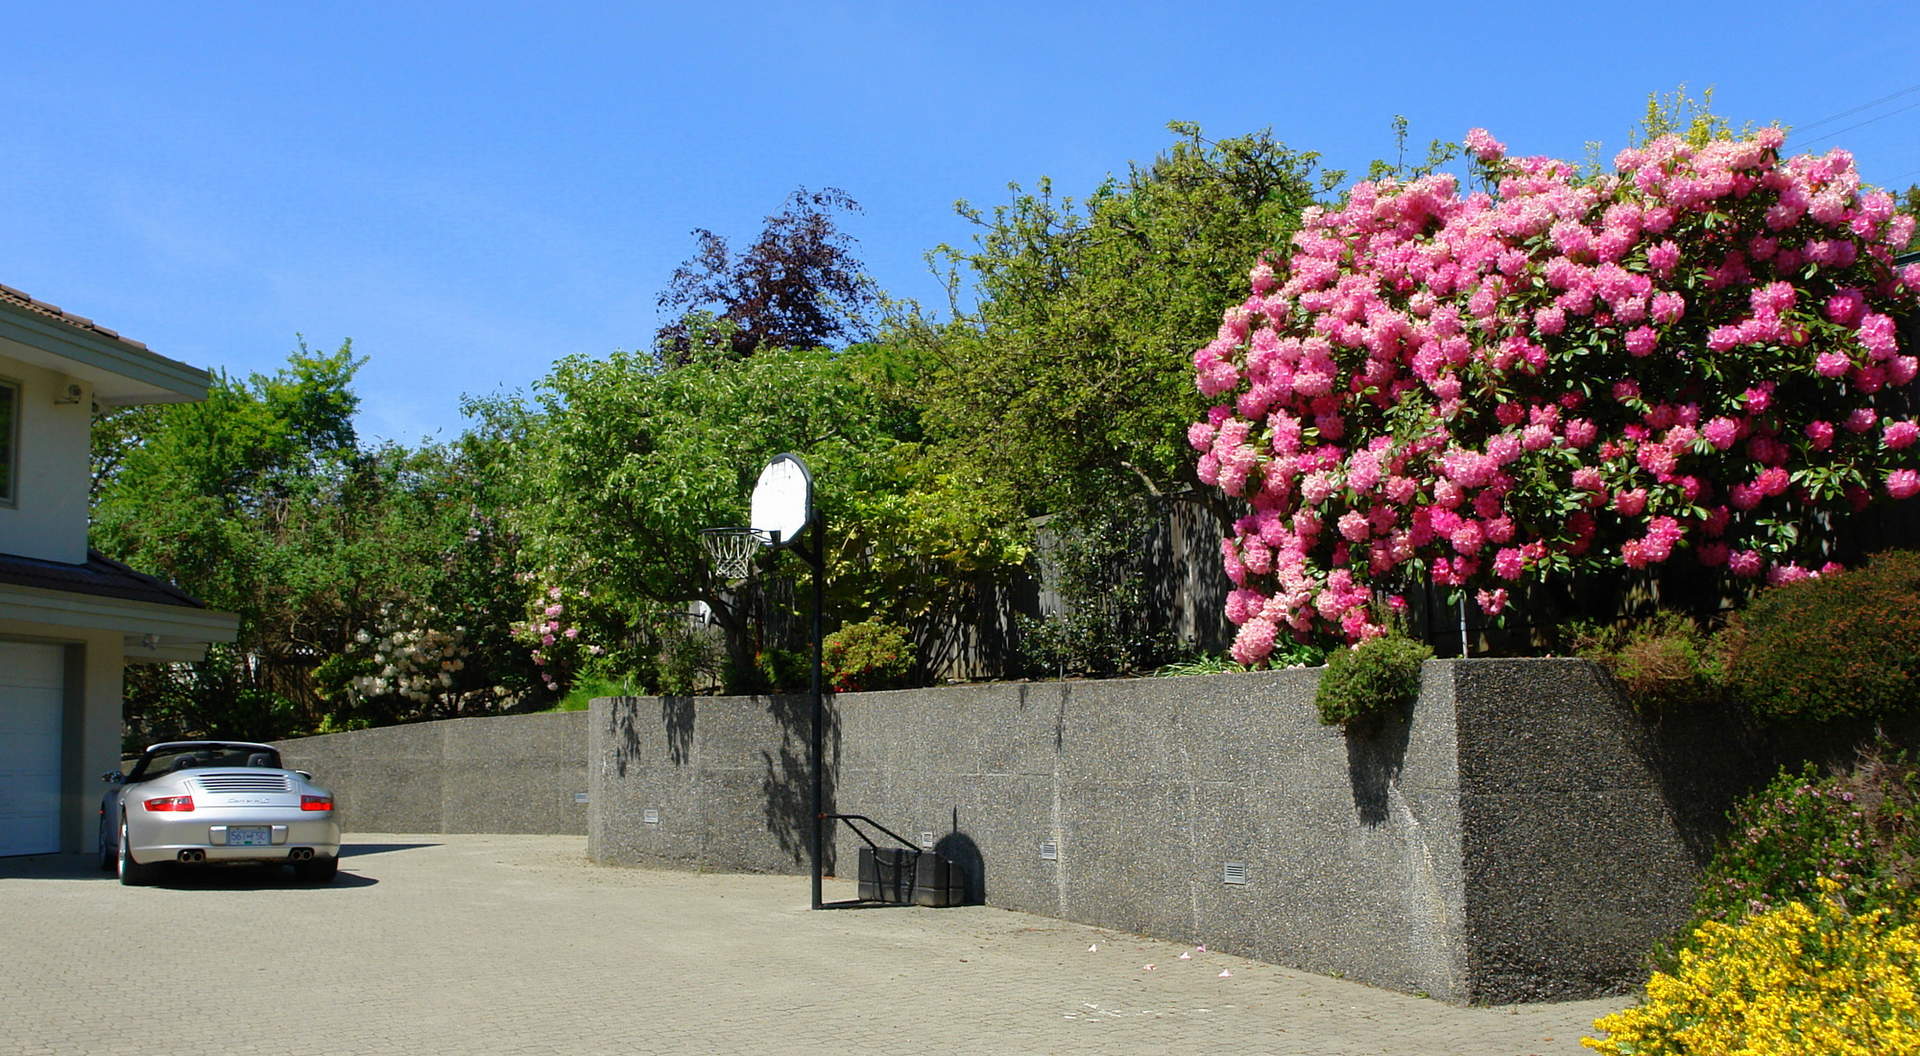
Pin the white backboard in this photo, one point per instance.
(783, 499)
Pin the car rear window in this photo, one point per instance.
(196, 756)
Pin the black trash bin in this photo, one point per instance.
(887, 874)
(938, 882)
(909, 876)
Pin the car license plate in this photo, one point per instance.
(249, 835)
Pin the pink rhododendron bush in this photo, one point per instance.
(1692, 358)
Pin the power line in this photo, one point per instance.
(1862, 124)
(1863, 106)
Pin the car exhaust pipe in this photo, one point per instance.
(191, 856)
(301, 854)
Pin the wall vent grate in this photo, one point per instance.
(650, 817)
(1234, 873)
(1049, 851)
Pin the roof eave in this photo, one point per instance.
(176, 625)
(156, 378)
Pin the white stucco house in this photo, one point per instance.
(71, 619)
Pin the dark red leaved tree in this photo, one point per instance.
(798, 286)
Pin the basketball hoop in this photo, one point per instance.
(731, 550)
(782, 501)
(780, 511)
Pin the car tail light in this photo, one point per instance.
(181, 803)
(316, 802)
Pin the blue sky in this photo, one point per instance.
(472, 191)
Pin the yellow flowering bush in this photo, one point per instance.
(1807, 979)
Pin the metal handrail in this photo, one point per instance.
(912, 869)
(851, 818)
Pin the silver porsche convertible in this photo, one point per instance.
(216, 803)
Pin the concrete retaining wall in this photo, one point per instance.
(1516, 835)
(502, 774)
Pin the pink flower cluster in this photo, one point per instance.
(1678, 357)
(550, 635)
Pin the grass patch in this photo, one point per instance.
(1202, 665)
(583, 692)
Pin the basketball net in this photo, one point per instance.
(730, 551)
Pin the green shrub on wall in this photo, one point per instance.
(868, 655)
(1284, 655)
(784, 670)
(1665, 661)
(1843, 646)
(1857, 829)
(1369, 679)
(1804, 917)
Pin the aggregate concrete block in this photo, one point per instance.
(1566, 893)
(498, 773)
(390, 779)
(1452, 848)
(1019, 733)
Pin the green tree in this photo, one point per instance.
(1910, 204)
(1066, 387)
(432, 621)
(183, 497)
(117, 431)
(1679, 114)
(1070, 379)
(628, 458)
(260, 501)
(1439, 152)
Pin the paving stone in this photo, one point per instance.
(518, 946)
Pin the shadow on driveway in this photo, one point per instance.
(53, 867)
(253, 878)
(243, 877)
(355, 850)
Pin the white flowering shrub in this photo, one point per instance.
(410, 664)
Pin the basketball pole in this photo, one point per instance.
(773, 513)
(815, 755)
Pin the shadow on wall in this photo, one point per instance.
(623, 725)
(960, 849)
(676, 718)
(624, 731)
(1376, 751)
(788, 784)
(1703, 760)
(1061, 691)
(1708, 757)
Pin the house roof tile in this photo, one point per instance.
(20, 299)
(100, 576)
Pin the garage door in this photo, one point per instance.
(31, 699)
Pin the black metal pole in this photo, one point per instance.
(815, 753)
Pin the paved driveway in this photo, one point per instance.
(517, 944)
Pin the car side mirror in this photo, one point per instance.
(113, 777)
(304, 774)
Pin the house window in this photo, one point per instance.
(9, 439)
